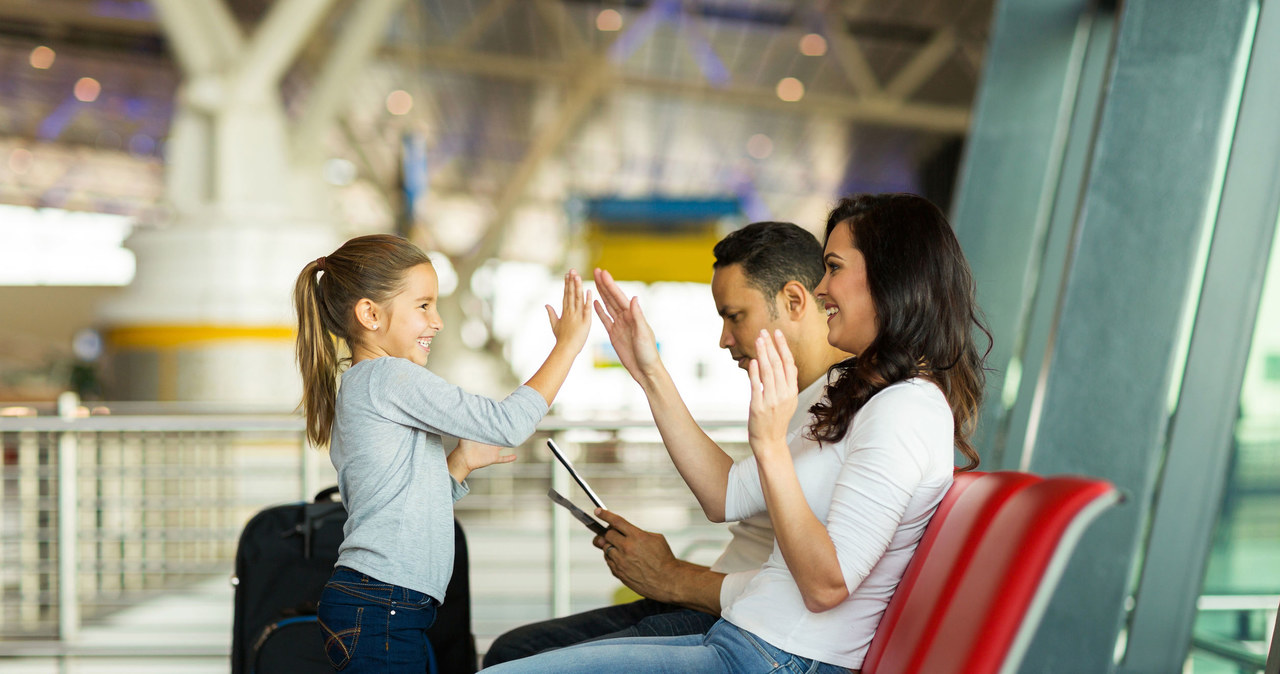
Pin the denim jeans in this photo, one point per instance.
(371, 626)
(724, 649)
(643, 618)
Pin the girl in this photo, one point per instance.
(847, 514)
(378, 294)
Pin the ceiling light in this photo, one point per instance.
(759, 146)
(609, 20)
(813, 45)
(399, 102)
(20, 160)
(790, 89)
(87, 90)
(42, 57)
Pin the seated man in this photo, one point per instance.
(764, 277)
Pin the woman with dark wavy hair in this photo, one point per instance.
(921, 317)
(849, 511)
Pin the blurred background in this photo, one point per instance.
(168, 166)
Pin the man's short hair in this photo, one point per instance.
(772, 254)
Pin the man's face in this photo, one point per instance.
(744, 310)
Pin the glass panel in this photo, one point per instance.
(1241, 586)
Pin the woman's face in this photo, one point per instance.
(843, 293)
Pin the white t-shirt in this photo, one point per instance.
(753, 536)
(875, 491)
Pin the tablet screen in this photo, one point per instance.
(564, 460)
(581, 515)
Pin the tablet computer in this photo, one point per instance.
(564, 460)
(592, 523)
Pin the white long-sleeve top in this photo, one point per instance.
(753, 536)
(875, 491)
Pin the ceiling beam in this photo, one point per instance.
(885, 112)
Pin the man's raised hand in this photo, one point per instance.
(629, 332)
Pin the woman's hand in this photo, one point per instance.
(774, 394)
(574, 322)
(470, 455)
(629, 332)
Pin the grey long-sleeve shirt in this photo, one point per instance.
(391, 466)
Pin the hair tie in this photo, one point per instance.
(320, 263)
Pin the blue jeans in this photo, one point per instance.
(643, 618)
(371, 626)
(724, 649)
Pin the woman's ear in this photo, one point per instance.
(796, 299)
(368, 314)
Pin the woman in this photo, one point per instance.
(848, 514)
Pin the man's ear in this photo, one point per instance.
(368, 314)
(796, 299)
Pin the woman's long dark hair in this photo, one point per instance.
(926, 314)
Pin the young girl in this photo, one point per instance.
(847, 514)
(378, 294)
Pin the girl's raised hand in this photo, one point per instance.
(629, 332)
(574, 322)
(774, 393)
(470, 455)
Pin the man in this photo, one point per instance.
(764, 276)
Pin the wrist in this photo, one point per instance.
(457, 465)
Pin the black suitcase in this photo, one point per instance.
(285, 556)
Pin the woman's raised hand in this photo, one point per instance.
(574, 322)
(629, 332)
(774, 392)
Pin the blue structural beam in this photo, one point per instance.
(659, 211)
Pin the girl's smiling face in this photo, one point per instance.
(845, 295)
(411, 317)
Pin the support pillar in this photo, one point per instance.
(208, 316)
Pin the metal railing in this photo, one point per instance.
(104, 512)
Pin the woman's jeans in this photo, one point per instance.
(371, 626)
(725, 649)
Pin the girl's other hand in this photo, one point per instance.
(774, 393)
(574, 322)
(470, 455)
(629, 332)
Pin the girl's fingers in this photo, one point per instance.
(505, 458)
(551, 315)
(753, 373)
(586, 305)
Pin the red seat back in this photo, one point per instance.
(965, 603)
(893, 611)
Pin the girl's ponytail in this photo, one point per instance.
(317, 356)
(373, 267)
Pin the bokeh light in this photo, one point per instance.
(609, 20)
(813, 44)
(399, 102)
(42, 57)
(790, 89)
(87, 90)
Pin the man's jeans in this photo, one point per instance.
(371, 626)
(725, 649)
(643, 618)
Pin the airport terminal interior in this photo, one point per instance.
(1111, 169)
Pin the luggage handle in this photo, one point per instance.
(310, 523)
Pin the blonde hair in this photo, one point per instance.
(372, 267)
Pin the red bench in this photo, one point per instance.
(971, 599)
